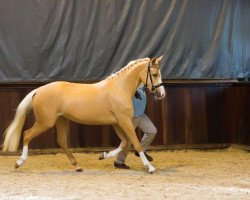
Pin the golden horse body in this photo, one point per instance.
(75, 102)
(106, 102)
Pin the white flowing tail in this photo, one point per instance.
(13, 132)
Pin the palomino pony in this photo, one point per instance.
(106, 102)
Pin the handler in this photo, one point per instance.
(141, 121)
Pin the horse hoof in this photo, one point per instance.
(151, 170)
(16, 166)
(101, 157)
(79, 170)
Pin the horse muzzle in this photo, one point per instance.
(160, 92)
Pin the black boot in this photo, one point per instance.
(121, 166)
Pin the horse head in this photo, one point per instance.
(151, 77)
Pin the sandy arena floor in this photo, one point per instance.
(223, 174)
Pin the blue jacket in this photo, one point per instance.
(140, 104)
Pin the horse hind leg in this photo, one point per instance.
(36, 130)
(62, 127)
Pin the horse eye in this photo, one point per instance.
(155, 75)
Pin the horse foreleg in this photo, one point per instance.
(123, 144)
(121, 135)
(146, 163)
(128, 128)
(62, 127)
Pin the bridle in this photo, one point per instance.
(153, 87)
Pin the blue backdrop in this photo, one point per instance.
(90, 39)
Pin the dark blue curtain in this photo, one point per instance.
(82, 40)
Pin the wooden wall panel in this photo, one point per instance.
(241, 117)
(191, 114)
(247, 116)
(1, 114)
(177, 122)
(214, 110)
(197, 134)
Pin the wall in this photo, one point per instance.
(192, 113)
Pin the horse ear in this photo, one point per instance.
(159, 59)
(153, 61)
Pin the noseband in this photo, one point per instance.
(153, 87)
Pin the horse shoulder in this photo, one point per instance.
(120, 103)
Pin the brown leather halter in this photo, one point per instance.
(153, 87)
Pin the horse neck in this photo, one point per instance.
(130, 78)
